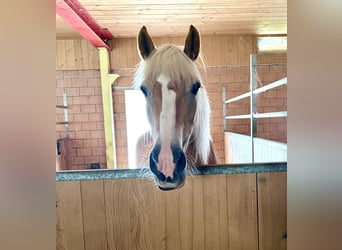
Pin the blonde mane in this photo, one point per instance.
(171, 61)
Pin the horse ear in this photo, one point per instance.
(145, 43)
(192, 43)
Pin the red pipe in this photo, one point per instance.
(80, 20)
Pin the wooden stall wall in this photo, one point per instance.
(216, 50)
(76, 55)
(226, 61)
(242, 211)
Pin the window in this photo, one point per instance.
(272, 44)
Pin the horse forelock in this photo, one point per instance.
(173, 63)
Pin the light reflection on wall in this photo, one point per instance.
(137, 123)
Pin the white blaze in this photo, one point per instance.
(167, 126)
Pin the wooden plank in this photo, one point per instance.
(61, 243)
(277, 13)
(94, 217)
(116, 54)
(217, 50)
(107, 99)
(173, 237)
(141, 9)
(147, 215)
(60, 54)
(209, 50)
(70, 54)
(272, 211)
(56, 57)
(156, 199)
(198, 213)
(94, 59)
(241, 50)
(74, 14)
(135, 211)
(215, 212)
(242, 211)
(85, 54)
(78, 54)
(198, 3)
(123, 54)
(69, 211)
(179, 217)
(116, 193)
(131, 53)
(209, 212)
(186, 215)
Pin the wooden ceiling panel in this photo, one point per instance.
(173, 17)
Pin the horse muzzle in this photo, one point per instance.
(168, 167)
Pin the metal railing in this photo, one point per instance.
(253, 115)
(66, 115)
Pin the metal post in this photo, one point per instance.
(253, 100)
(224, 109)
(66, 115)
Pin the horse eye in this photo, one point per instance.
(195, 87)
(144, 90)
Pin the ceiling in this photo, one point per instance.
(173, 17)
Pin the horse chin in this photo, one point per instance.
(168, 186)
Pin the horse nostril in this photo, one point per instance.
(178, 158)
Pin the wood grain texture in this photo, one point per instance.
(216, 51)
(215, 212)
(118, 214)
(242, 211)
(272, 211)
(123, 18)
(94, 216)
(107, 81)
(69, 207)
(198, 232)
(76, 54)
(208, 212)
(179, 217)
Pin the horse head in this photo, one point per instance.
(177, 107)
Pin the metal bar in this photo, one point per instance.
(271, 114)
(61, 106)
(122, 88)
(239, 97)
(253, 100)
(271, 86)
(224, 110)
(231, 117)
(66, 115)
(107, 174)
(61, 123)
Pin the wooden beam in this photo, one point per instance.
(78, 24)
(107, 80)
(78, 8)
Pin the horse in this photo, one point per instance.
(177, 108)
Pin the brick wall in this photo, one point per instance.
(235, 79)
(86, 116)
(83, 88)
(272, 101)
